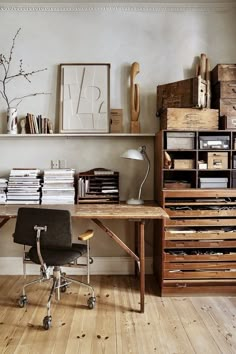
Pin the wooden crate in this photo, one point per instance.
(226, 107)
(224, 89)
(217, 160)
(190, 119)
(223, 72)
(183, 164)
(185, 93)
(228, 123)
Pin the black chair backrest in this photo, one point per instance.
(58, 222)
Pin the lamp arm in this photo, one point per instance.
(146, 175)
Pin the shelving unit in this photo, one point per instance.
(195, 251)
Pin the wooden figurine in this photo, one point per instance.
(135, 100)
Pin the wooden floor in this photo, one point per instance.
(204, 325)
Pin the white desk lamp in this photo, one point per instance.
(139, 154)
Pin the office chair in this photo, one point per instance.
(48, 233)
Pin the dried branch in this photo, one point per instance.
(5, 63)
(30, 95)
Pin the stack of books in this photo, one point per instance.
(24, 186)
(3, 189)
(58, 186)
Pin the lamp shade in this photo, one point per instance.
(133, 154)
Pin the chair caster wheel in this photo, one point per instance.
(47, 321)
(91, 302)
(64, 286)
(22, 301)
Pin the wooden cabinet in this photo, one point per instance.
(195, 250)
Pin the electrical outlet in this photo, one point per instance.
(55, 163)
(62, 163)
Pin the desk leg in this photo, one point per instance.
(136, 247)
(3, 222)
(142, 264)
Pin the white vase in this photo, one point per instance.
(12, 121)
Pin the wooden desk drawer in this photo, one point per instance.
(178, 287)
(199, 222)
(219, 235)
(201, 213)
(224, 274)
(200, 244)
(199, 257)
(201, 270)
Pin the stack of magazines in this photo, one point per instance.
(58, 186)
(24, 186)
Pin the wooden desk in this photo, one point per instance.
(96, 212)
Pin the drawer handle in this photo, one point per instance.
(233, 89)
(234, 107)
(181, 285)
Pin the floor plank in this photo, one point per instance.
(170, 325)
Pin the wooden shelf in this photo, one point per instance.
(63, 135)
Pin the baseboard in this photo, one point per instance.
(100, 266)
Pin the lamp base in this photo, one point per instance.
(133, 201)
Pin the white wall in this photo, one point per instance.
(165, 39)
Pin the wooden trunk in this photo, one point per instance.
(186, 93)
(223, 72)
(190, 119)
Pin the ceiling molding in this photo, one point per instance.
(131, 7)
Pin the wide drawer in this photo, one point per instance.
(200, 222)
(224, 89)
(200, 244)
(178, 287)
(224, 274)
(227, 107)
(211, 235)
(199, 257)
(201, 213)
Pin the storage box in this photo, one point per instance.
(190, 119)
(223, 72)
(185, 93)
(177, 185)
(224, 89)
(214, 142)
(226, 107)
(183, 164)
(177, 140)
(116, 121)
(213, 182)
(217, 160)
(228, 123)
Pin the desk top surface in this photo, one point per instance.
(97, 211)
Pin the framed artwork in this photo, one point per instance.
(85, 98)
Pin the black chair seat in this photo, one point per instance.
(58, 257)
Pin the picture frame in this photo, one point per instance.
(84, 98)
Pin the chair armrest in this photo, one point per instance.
(86, 235)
